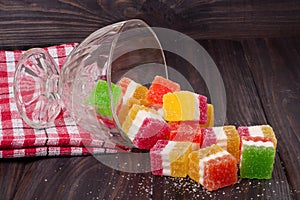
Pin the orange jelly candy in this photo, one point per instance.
(160, 86)
(213, 167)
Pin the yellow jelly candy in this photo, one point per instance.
(171, 107)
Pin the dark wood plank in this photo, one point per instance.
(26, 24)
(275, 65)
(87, 178)
(80, 178)
(243, 108)
(243, 104)
(10, 175)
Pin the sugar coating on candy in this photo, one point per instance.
(131, 89)
(170, 158)
(186, 131)
(233, 141)
(123, 83)
(172, 86)
(123, 112)
(257, 157)
(160, 86)
(100, 98)
(185, 106)
(221, 136)
(189, 104)
(209, 137)
(210, 117)
(258, 130)
(171, 107)
(133, 93)
(226, 137)
(213, 167)
(203, 109)
(156, 158)
(144, 126)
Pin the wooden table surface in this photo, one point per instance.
(256, 47)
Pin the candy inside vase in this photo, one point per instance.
(87, 84)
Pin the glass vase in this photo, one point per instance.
(125, 49)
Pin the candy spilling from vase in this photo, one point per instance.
(177, 127)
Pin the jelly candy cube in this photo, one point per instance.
(170, 158)
(100, 98)
(133, 93)
(226, 137)
(210, 117)
(186, 131)
(131, 89)
(259, 130)
(213, 167)
(172, 108)
(257, 157)
(160, 86)
(144, 126)
(185, 106)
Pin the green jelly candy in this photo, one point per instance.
(257, 160)
(100, 97)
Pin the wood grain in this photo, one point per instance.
(11, 172)
(87, 178)
(26, 24)
(260, 73)
(244, 107)
(276, 71)
(80, 178)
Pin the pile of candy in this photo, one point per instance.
(177, 127)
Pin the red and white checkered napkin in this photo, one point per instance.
(64, 138)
